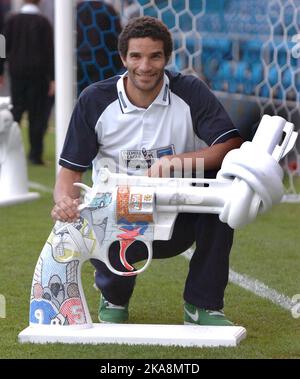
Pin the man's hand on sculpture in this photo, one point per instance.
(66, 210)
(51, 89)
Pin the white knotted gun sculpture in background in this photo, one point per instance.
(131, 208)
(13, 168)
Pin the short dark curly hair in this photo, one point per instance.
(142, 27)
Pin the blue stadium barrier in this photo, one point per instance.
(250, 51)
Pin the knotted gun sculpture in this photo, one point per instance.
(13, 168)
(135, 208)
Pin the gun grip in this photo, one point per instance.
(57, 296)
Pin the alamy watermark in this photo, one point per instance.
(296, 306)
(2, 306)
(2, 46)
(296, 48)
(164, 167)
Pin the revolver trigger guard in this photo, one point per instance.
(132, 272)
(149, 259)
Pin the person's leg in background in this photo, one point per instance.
(18, 88)
(38, 113)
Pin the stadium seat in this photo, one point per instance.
(287, 78)
(273, 76)
(168, 18)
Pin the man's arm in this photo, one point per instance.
(213, 157)
(66, 196)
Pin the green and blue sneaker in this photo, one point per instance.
(111, 313)
(199, 316)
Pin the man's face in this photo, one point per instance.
(145, 62)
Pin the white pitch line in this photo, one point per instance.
(40, 187)
(260, 289)
(255, 286)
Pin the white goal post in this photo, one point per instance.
(64, 69)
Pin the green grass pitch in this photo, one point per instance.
(267, 250)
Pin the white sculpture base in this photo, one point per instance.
(291, 198)
(16, 199)
(136, 334)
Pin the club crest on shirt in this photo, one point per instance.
(144, 159)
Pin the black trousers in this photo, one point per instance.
(208, 271)
(31, 94)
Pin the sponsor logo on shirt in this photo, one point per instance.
(144, 159)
